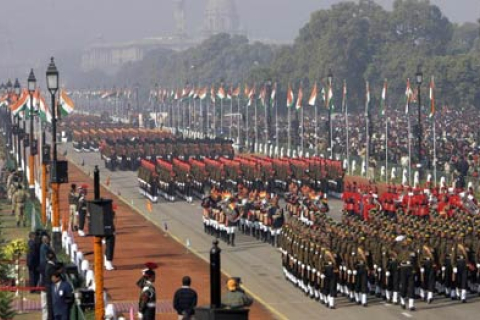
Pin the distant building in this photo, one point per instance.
(220, 17)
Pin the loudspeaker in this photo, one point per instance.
(59, 171)
(87, 299)
(101, 217)
(46, 154)
(34, 148)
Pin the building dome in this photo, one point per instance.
(221, 17)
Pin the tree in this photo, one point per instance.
(6, 310)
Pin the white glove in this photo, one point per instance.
(349, 272)
(374, 266)
(341, 268)
(443, 268)
(322, 276)
(379, 270)
(422, 270)
(354, 272)
(387, 273)
(478, 265)
(455, 270)
(140, 316)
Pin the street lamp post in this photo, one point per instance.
(17, 89)
(8, 88)
(52, 85)
(327, 100)
(32, 82)
(419, 78)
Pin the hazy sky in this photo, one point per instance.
(34, 29)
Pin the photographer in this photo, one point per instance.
(236, 298)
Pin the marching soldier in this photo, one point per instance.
(360, 272)
(460, 270)
(407, 275)
(82, 209)
(19, 198)
(331, 274)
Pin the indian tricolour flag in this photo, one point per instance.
(298, 106)
(21, 103)
(409, 94)
(313, 95)
(432, 97)
(221, 93)
(290, 97)
(4, 101)
(43, 110)
(65, 103)
(383, 105)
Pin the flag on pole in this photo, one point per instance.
(229, 93)
(251, 95)
(43, 110)
(383, 105)
(432, 97)
(344, 96)
(21, 104)
(212, 93)
(4, 101)
(290, 97)
(192, 92)
(330, 105)
(236, 92)
(262, 95)
(246, 91)
(273, 95)
(409, 94)
(221, 93)
(367, 99)
(203, 93)
(313, 95)
(298, 105)
(66, 104)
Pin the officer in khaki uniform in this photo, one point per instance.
(19, 198)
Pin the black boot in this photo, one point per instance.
(228, 239)
(233, 240)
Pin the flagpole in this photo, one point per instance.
(231, 118)
(256, 126)
(347, 136)
(247, 138)
(289, 136)
(315, 108)
(214, 120)
(221, 116)
(277, 139)
(303, 133)
(434, 151)
(409, 146)
(367, 130)
(386, 149)
(239, 119)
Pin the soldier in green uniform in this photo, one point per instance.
(148, 298)
(19, 198)
(407, 274)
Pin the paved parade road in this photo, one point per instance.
(258, 264)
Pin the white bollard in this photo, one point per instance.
(272, 152)
(307, 155)
(416, 179)
(90, 280)
(294, 154)
(405, 177)
(110, 312)
(383, 171)
(64, 239)
(393, 176)
(289, 153)
(429, 177)
(354, 166)
(282, 152)
(300, 154)
(73, 251)
(345, 164)
(364, 169)
(443, 182)
(84, 267)
(79, 258)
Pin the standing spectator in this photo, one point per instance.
(82, 209)
(62, 297)
(236, 298)
(46, 282)
(185, 300)
(33, 260)
(44, 248)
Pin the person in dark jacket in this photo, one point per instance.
(236, 298)
(62, 297)
(185, 300)
(33, 260)
(46, 282)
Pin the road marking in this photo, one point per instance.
(408, 315)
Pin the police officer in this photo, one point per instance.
(73, 197)
(19, 198)
(148, 297)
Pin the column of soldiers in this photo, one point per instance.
(390, 253)
(255, 213)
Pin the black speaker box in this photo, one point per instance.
(59, 171)
(101, 218)
(87, 299)
(46, 154)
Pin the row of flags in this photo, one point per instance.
(223, 93)
(20, 106)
